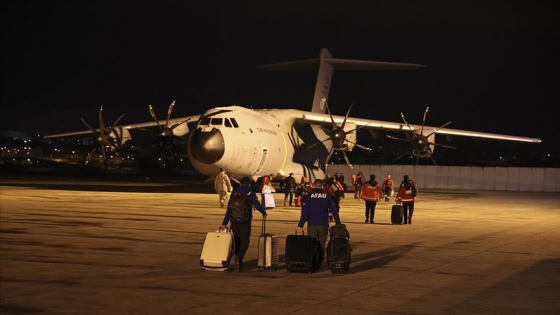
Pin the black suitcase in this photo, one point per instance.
(303, 254)
(397, 214)
(339, 253)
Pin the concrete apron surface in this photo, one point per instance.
(103, 248)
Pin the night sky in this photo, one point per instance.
(492, 66)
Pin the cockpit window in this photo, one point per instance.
(234, 122)
(204, 121)
(217, 121)
(228, 123)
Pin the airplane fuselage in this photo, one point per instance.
(245, 141)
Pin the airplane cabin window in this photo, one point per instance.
(204, 121)
(234, 122)
(217, 121)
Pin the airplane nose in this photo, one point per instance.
(207, 147)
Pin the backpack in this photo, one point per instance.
(414, 189)
(239, 207)
(339, 230)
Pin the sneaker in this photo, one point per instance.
(409, 221)
(367, 220)
(239, 265)
(371, 222)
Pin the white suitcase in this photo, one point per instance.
(269, 201)
(268, 250)
(217, 250)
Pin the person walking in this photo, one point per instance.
(223, 186)
(388, 187)
(334, 189)
(315, 211)
(407, 195)
(357, 181)
(289, 187)
(265, 187)
(370, 193)
(340, 179)
(241, 226)
(302, 190)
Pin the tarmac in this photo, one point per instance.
(72, 246)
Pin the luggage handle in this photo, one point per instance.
(302, 232)
(224, 230)
(263, 229)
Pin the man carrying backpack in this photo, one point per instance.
(407, 195)
(240, 213)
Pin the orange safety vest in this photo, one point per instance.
(369, 192)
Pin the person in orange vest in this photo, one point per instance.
(407, 195)
(301, 190)
(370, 192)
(388, 187)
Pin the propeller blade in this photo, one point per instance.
(169, 113)
(153, 114)
(316, 143)
(424, 120)
(442, 126)
(360, 146)
(104, 156)
(406, 122)
(347, 160)
(179, 124)
(433, 160)
(345, 117)
(359, 127)
(325, 129)
(330, 115)
(443, 146)
(101, 125)
(395, 138)
(114, 125)
(400, 156)
(89, 127)
(115, 150)
(328, 158)
(90, 154)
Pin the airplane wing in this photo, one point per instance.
(392, 126)
(143, 125)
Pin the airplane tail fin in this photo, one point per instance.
(326, 65)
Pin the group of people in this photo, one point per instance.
(320, 204)
(317, 207)
(371, 192)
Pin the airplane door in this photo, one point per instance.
(256, 174)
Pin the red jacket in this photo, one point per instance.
(370, 192)
(406, 195)
(389, 182)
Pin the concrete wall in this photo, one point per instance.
(462, 177)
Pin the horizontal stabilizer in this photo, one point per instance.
(339, 64)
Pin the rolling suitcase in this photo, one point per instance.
(268, 200)
(339, 253)
(268, 251)
(217, 250)
(303, 254)
(397, 214)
